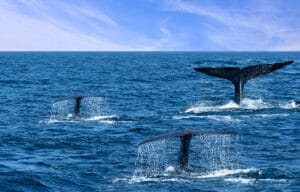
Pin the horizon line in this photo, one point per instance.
(2, 51)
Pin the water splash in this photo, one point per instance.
(254, 104)
(246, 103)
(205, 107)
(214, 152)
(252, 181)
(246, 176)
(207, 153)
(154, 157)
(62, 109)
(290, 105)
(223, 173)
(91, 108)
(222, 118)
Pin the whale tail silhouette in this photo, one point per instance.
(77, 105)
(239, 76)
(185, 138)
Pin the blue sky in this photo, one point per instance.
(150, 25)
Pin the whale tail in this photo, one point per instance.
(77, 102)
(77, 105)
(185, 138)
(239, 76)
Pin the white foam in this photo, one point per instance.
(149, 179)
(52, 120)
(251, 181)
(231, 118)
(170, 169)
(289, 105)
(241, 180)
(188, 176)
(100, 118)
(224, 172)
(253, 104)
(267, 115)
(231, 105)
(203, 107)
(178, 117)
(223, 118)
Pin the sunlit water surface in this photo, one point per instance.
(45, 148)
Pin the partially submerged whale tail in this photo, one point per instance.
(77, 105)
(239, 76)
(185, 138)
(77, 102)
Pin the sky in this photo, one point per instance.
(149, 25)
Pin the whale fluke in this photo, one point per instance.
(185, 139)
(183, 157)
(239, 76)
(77, 104)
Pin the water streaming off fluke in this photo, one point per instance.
(206, 152)
(78, 107)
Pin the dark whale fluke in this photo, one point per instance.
(183, 157)
(77, 105)
(185, 138)
(239, 76)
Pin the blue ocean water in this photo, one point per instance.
(146, 94)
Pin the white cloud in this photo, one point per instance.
(44, 31)
(289, 39)
(20, 32)
(243, 29)
(60, 26)
(92, 13)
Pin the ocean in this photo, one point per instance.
(135, 96)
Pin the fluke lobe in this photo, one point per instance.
(239, 76)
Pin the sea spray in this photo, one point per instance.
(208, 152)
(93, 106)
(62, 109)
(155, 157)
(89, 107)
(214, 152)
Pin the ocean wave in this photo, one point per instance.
(224, 173)
(251, 181)
(140, 179)
(109, 119)
(230, 118)
(264, 115)
(203, 107)
(183, 176)
(290, 105)
(223, 118)
(239, 175)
